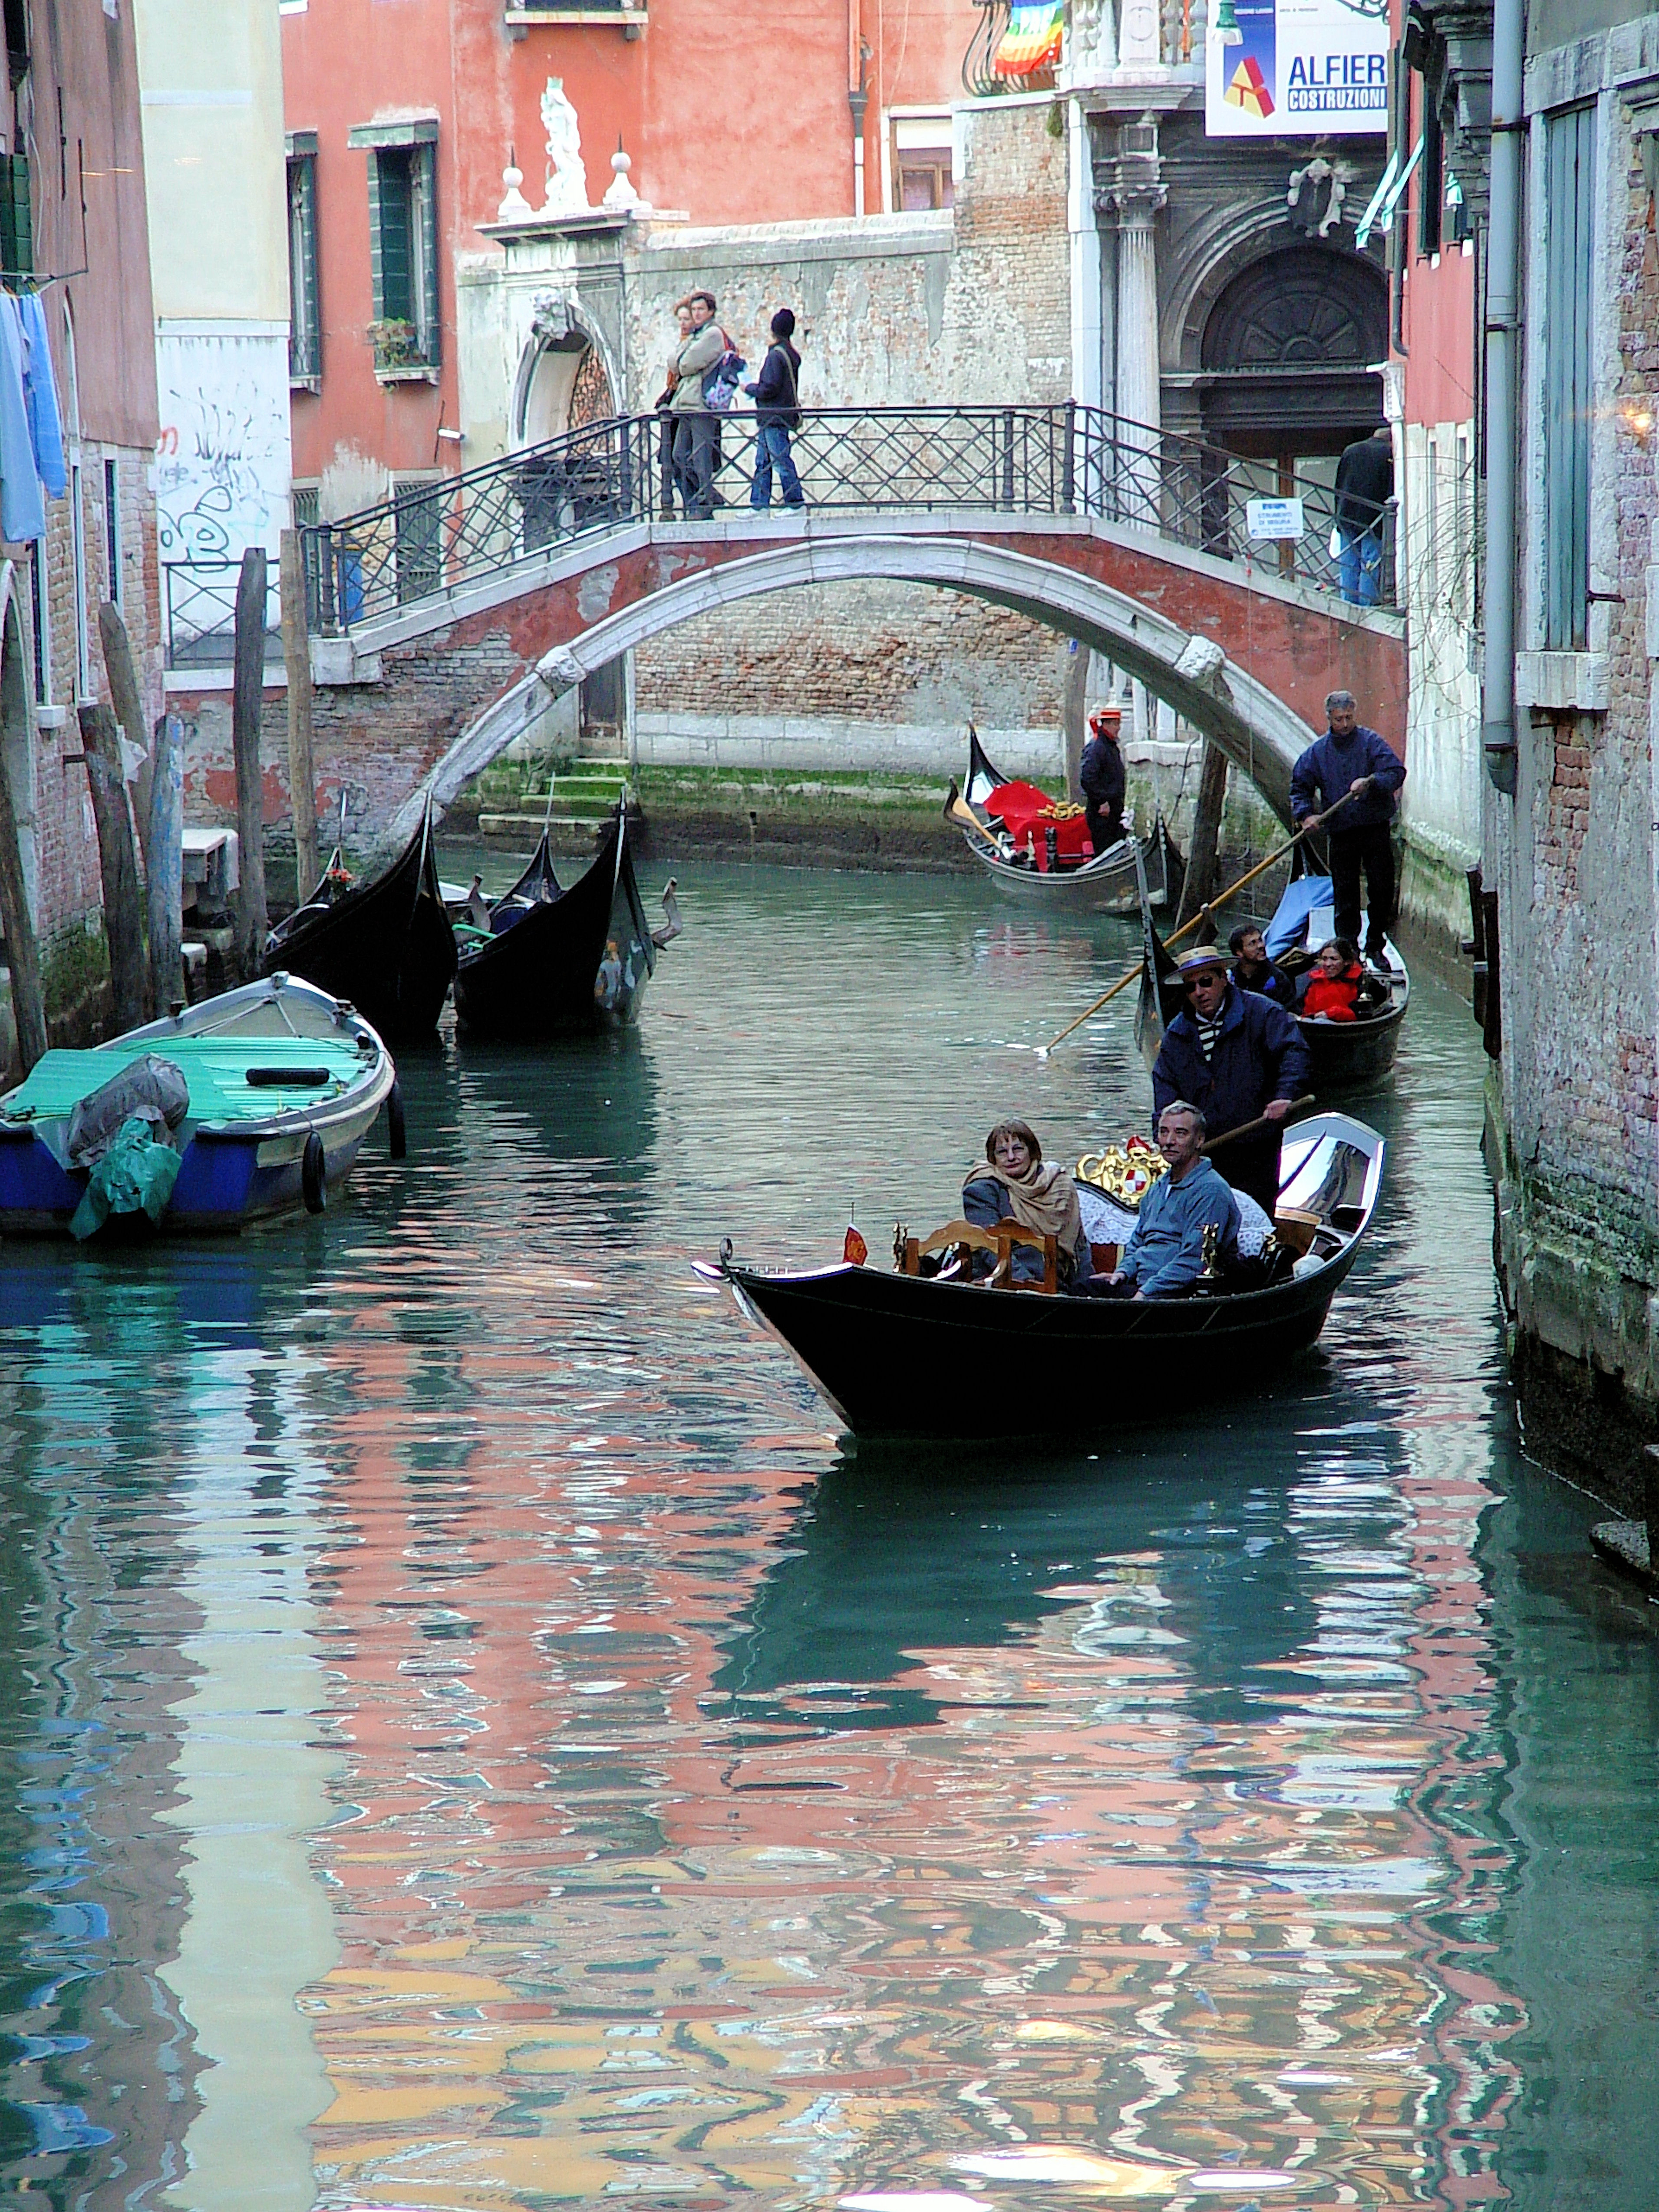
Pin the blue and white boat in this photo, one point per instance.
(262, 1096)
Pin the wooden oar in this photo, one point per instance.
(1204, 913)
(957, 810)
(1262, 1121)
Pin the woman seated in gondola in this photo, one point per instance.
(1015, 1183)
(1333, 987)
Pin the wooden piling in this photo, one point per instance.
(22, 953)
(101, 743)
(164, 864)
(1074, 713)
(301, 777)
(128, 702)
(1207, 830)
(247, 700)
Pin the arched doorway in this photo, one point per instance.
(569, 387)
(1289, 357)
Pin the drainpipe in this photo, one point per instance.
(1502, 341)
(858, 101)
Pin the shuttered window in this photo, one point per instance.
(403, 253)
(305, 338)
(16, 224)
(417, 516)
(1569, 181)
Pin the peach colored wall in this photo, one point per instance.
(1439, 330)
(736, 121)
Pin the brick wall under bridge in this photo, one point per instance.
(434, 693)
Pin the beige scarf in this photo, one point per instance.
(1043, 1199)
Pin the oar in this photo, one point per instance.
(1262, 1121)
(957, 810)
(1203, 913)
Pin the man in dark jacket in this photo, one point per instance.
(1101, 775)
(1364, 484)
(1353, 764)
(776, 394)
(1236, 1057)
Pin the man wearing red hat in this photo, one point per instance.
(1102, 778)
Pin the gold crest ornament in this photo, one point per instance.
(1125, 1172)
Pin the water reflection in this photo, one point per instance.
(475, 1740)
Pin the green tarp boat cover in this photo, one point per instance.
(216, 1068)
(135, 1175)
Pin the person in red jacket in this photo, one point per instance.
(1333, 992)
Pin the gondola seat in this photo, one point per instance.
(999, 1239)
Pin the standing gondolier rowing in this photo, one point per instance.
(1102, 778)
(1353, 764)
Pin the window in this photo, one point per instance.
(921, 163)
(417, 515)
(1569, 183)
(41, 585)
(113, 532)
(16, 224)
(78, 554)
(1431, 177)
(305, 499)
(403, 244)
(304, 335)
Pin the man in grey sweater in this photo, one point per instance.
(696, 424)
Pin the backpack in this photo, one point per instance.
(719, 382)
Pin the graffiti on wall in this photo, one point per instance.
(224, 457)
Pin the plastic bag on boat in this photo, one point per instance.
(134, 1175)
(152, 1089)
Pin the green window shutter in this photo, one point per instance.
(1569, 396)
(376, 287)
(16, 224)
(423, 241)
(305, 346)
(395, 290)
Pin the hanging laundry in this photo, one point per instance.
(41, 395)
(22, 508)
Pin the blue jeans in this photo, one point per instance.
(772, 443)
(1360, 566)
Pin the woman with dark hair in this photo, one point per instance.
(1014, 1183)
(1332, 990)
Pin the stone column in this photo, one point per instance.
(1136, 195)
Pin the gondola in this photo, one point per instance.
(899, 1354)
(1016, 859)
(556, 960)
(386, 946)
(1345, 1056)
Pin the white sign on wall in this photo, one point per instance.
(1273, 517)
(1303, 69)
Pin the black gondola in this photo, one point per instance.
(1345, 1056)
(1106, 884)
(387, 946)
(904, 1355)
(556, 960)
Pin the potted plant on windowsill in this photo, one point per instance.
(398, 353)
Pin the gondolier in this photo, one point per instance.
(1102, 778)
(1354, 766)
(1237, 1058)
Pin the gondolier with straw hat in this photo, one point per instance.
(1101, 776)
(1237, 1058)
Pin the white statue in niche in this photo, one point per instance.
(567, 174)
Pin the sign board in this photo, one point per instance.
(1305, 69)
(1273, 517)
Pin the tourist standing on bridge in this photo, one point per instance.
(670, 483)
(1101, 777)
(776, 394)
(695, 422)
(1353, 764)
(1364, 485)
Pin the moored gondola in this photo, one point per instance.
(1345, 1056)
(902, 1354)
(556, 960)
(386, 946)
(1008, 826)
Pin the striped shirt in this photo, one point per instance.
(1208, 1031)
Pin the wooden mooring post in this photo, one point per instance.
(302, 776)
(248, 701)
(100, 742)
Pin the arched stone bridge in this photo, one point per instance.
(1072, 518)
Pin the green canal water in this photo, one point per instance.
(474, 1738)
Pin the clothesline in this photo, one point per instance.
(34, 281)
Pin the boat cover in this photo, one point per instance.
(214, 1067)
(134, 1175)
(1290, 923)
(1024, 811)
(151, 1089)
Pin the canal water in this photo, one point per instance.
(476, 1738)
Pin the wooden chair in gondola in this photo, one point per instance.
(1000, 1240)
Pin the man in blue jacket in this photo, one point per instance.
(1164, 1256)
(1353, 764)
(1236, 1057)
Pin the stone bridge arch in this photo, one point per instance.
(1257, 730)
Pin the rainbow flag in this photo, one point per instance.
(1031, 41)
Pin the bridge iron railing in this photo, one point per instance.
(1068, 459)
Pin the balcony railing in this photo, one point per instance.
(1065, 459)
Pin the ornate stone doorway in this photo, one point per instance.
(568, 388)
(1289, 351)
